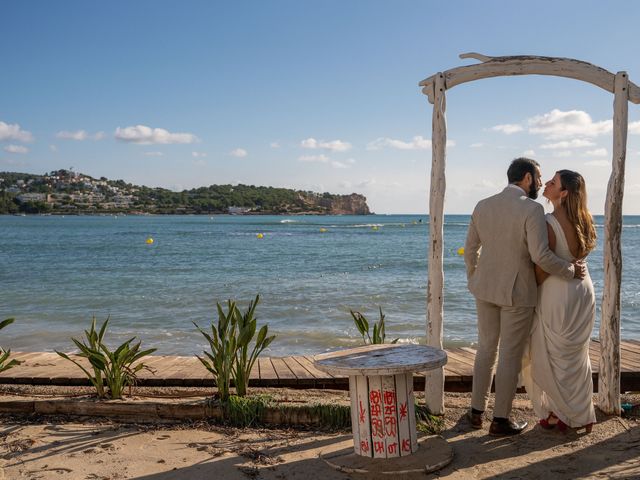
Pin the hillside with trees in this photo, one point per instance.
(68, 192)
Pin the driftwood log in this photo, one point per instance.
(434, 380)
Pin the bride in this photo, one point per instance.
(556, 367)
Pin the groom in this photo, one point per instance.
(506, 236)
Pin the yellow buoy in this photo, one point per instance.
(260, 235)
(461, 251)
(374, 227)
(322, 230)
(149, 241)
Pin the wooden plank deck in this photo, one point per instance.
(44, 368)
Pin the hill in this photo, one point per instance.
(69, 192)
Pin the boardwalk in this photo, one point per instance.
(296, 371)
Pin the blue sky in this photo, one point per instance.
(315, 95)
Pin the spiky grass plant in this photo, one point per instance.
(117, 368)
(232, 354)
(223, 345)
(247, 355)
(362, 324)
(5, 362)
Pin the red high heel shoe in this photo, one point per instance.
(547, 423)
(562, 426)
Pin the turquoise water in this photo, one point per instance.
(57, 272)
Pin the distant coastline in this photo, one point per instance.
(64, 192)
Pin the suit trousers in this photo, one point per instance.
(508, 327)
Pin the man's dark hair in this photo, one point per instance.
(520, 167)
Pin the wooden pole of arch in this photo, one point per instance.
(609, 374)
(434, 381)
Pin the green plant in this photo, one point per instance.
(223, 345)
(115, 368)
(247, 356)
(232, 356)
(5, 363)
(362, 324)
(245, 411)
(426, 422)
(332, 415)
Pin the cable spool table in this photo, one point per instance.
(383, 418)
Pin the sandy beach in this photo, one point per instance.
(57, 447)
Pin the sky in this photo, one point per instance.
(311, 95)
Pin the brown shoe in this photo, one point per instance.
(475, 419)
(511, 427)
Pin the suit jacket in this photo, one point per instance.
(507, 235)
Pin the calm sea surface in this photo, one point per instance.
(57, 272)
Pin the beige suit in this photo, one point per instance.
(507, 235)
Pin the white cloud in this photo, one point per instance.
(598, 163)
(575, 143)
(598, 152)
(633, 189)
(477, 145)
(198, 154)
(238, 152)
(634, 128)
(53, 148)
(314, 158)
(562, 154)
(16, 149)
(154, 154)
(274, 145)
(14, 132)
(79, 135)
(333, 146)
(507, 128)
(144, 135)
(417, 143)
(336, 164)
(529, 153)
(485, 184)
(366, 183)
(557, 124)
(200, 163)
(350, 161)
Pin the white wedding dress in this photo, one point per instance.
(556, 366)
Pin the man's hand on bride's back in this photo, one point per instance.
(579, 269)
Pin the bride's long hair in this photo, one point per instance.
(576, 205)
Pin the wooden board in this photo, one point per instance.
(267, 372)
(45, 368)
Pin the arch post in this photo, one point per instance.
(434, 381)
(609, 374)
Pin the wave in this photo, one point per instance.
(362, 225)
(623, 226)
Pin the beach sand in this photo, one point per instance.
(61, 448)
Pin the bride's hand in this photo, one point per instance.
(579, 269)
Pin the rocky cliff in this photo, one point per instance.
(354, 204)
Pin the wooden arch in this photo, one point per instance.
(624, 91)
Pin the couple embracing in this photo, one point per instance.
(534, 299)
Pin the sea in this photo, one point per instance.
(154, 277)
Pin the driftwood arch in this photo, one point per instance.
(624, 91)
